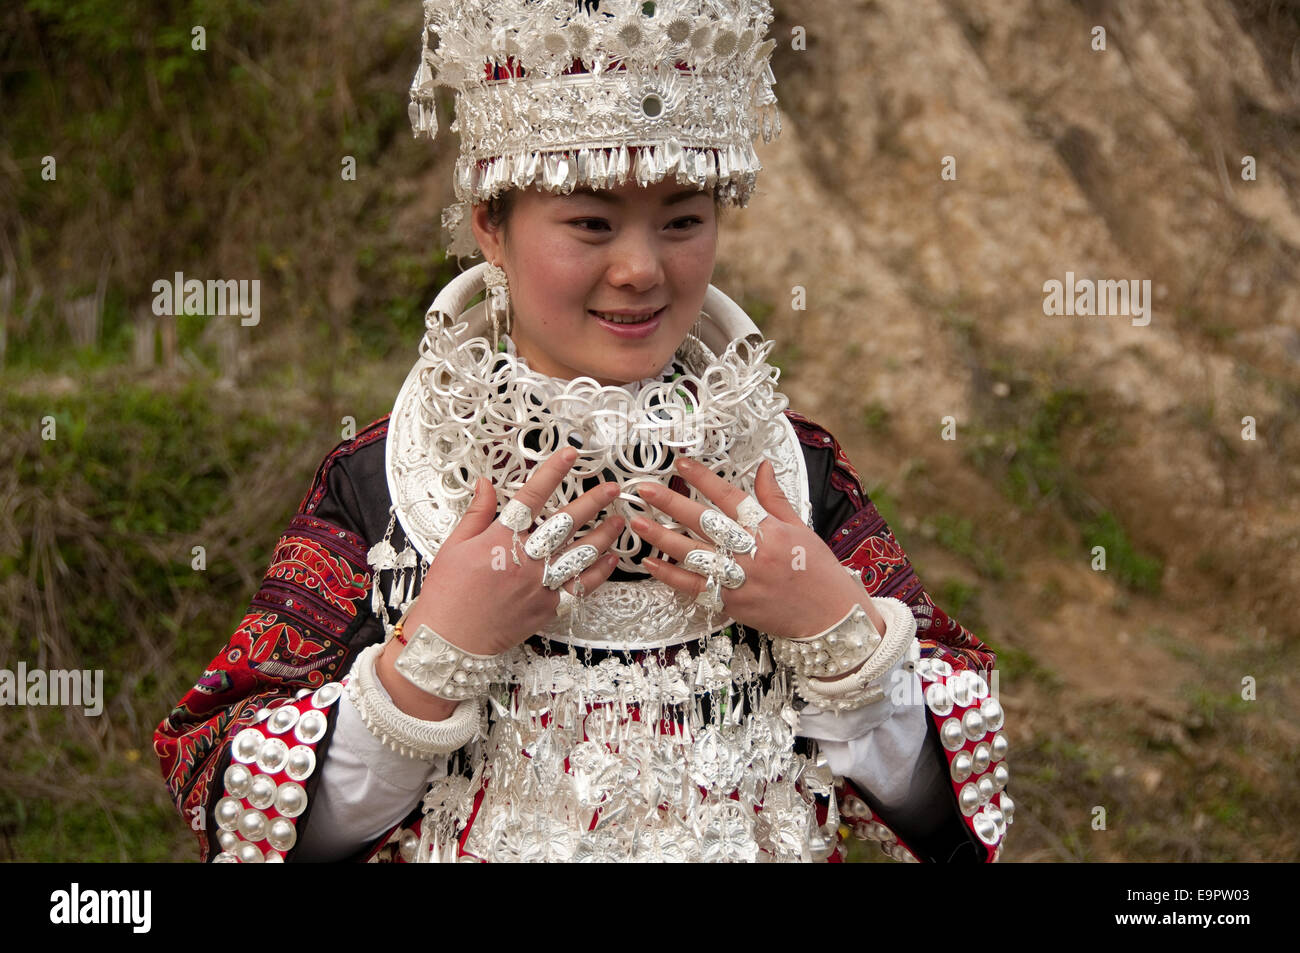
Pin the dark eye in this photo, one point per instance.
(597, 221)
(687, 222)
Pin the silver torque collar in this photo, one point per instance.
(466, 411)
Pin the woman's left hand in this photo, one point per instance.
(794, 586)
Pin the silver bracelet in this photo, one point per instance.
(859, 689)
(434, 665)
(839, 649)
(859, 697)
(407, 735)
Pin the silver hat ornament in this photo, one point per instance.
(559, 94)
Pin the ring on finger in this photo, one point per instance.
(750, 513)
(706, 563)
(726, 532)
(549, 537)
(516, 516)
(710, 597)
(569, 565)
(567, 602)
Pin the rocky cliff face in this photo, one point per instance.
(941, 162)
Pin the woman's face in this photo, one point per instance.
(629, 249)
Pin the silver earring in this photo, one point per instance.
(498, 302)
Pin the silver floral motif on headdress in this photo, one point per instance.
(562, 93)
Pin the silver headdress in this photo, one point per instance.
(563, 93)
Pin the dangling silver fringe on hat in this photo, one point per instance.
(558, 94)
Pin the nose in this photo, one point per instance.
(636, 261)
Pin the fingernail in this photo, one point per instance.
(569, 454)
(612, 491)
(683, 463)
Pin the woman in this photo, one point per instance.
(557, 692)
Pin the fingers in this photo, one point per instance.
(482, 511)
(723, 495)
(771, 496)
(684, 511)
(680, 579)
(586, 507)
(677, 546)
(593, 575)
(602, 537)
(670, 543)
(605, 534)
(539, 487)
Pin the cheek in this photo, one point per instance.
(692, 264)
(559, 271)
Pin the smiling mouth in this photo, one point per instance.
(628, 318)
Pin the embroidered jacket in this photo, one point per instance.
(244, 746)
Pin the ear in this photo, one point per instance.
(488, 237)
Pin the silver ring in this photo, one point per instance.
(726, 532)
(549, 537)
(569, 565)
(703, 562)
(567, 601)
(516, 516)
(709, 596)
(750, 513)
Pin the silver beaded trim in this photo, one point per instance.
(969, 732)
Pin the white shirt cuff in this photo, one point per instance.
(878, 746)
(366, 788)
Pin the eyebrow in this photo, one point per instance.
(611, 199)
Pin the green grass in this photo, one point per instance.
(960, 601)
(760, 310)
(1135, 570)
(886, 505)
(1024, 455)
(875, 417)
(958, 536)
(1014, 664)
(105, 518)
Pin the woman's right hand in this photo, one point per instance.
(479, 600)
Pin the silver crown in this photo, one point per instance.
(563, 93)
